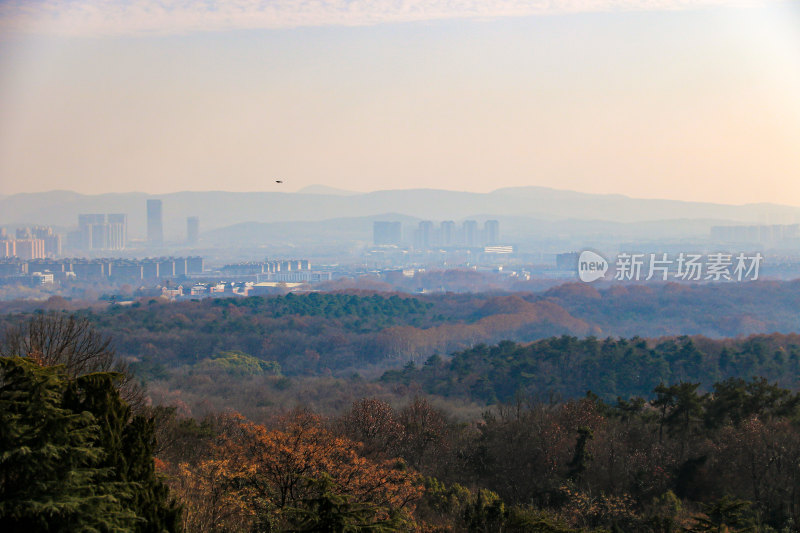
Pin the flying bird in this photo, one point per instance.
(278, 181)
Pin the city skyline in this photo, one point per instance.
(677, 100)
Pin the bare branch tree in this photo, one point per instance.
(62, 339)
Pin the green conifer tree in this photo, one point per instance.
(51, 478)
(72, 458)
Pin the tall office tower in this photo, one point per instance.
(491, 232)
(386, 233)
(448, 232)
(117, 231)
(470, 233)
(192, 230)
(155, 227)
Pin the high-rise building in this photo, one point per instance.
(99, 237)
(192, 230)
(470, 233)
(29, 248)
(194, 265)
(166, 267)
(101, 232)
(150, 269)
(155, 227)
(89, 269)
(491, 232)
(8, 248)
(87, 225)
(386, 233)
(448, 230)
(126, 270)
(52, 240)
(117, 231)
(30, 243)
(424, 236)
(180, 266)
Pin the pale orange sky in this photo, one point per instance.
(694, 104)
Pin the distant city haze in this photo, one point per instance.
(694, 101)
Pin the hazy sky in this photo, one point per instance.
(694, 100)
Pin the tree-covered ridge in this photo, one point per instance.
(333, 305)
(568, 367)
(342, 332)
(710, 309)
(349, 313)
(316, 333)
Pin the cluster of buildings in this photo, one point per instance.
(252, 278)
(35, 242)
(251, 268)
(110, 231)
(284, 271)
(119, 270)
(763, 234)
(95, 232)
(158, 276)
(99, 232)
(446, 234)
(223, 289)
(201, 290)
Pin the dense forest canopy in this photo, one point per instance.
(568, 367)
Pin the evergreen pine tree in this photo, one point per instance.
(72, 458)
(51, 478)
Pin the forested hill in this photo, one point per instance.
(568, 367)
(343, 332)
(321, 332)
(713, 310)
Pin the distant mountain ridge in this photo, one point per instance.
(218, 209)
(324, 189)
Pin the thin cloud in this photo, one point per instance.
(106, 17)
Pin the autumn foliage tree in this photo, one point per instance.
(266, 474)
